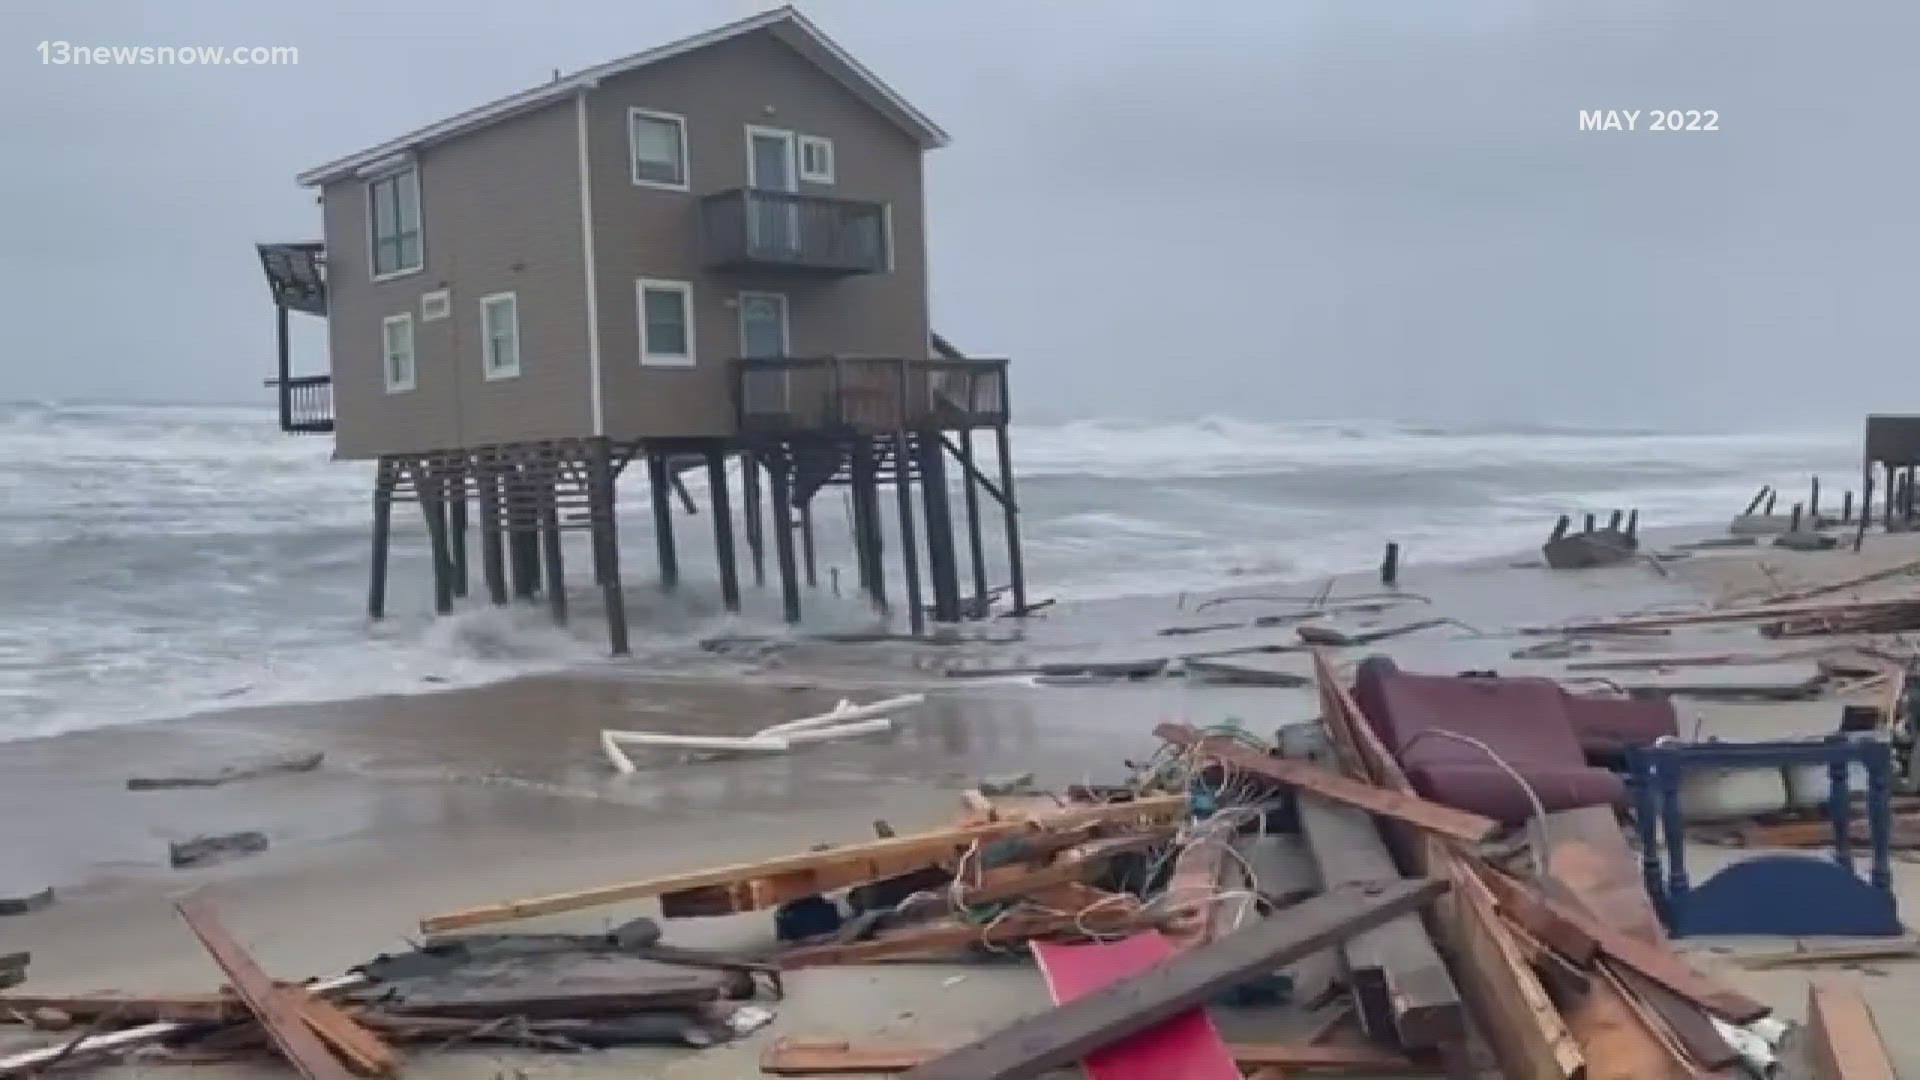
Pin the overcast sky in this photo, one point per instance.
(1263, 208)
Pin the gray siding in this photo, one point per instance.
(500, 211)
(643, 232)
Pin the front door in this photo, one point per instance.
(763, 334)
(773, 221)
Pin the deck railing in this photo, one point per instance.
(306, 403)
(748, 227)
(868, 394)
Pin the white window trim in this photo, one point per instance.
(786, 318)
(373, 243)
(487, 370)
(649, 358)
(386, 355)
(633, 161)
(438, 299)
(793, 156)
(825, 146)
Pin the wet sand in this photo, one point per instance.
(434, 802)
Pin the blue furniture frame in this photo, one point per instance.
(1775, 893)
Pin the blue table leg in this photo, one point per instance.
(1840, 805)
(1878, 760)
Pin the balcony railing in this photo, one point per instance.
(794, 395)
(778, 229)
(306, 403)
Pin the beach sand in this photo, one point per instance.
(435, 802)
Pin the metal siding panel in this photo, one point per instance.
(645, 232)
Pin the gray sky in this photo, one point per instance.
(1263, 208)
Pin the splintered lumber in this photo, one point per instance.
(131, 1008)
(1032, 1045)
(1768, 613)
(1843, 1042)
(948, 937)
(277, 1008)
(1073, 865)
(1528, 1037)
(1400, 985)
(1655, 961)
(1787, 958)
(1400, 806)
(809, 1057)
(817, 871)
(1845, 583)
(1187, 1045)
(1194, 888)
(361, 1049)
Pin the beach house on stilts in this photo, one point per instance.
(711, 250)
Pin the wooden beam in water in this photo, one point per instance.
(661, 490)
(723, 527)
(556, 569)
(601, 507)
(909, 552)
(942, 567)
(493, 565)
(779, 485)
(382, 537)
(976, 545)
(1010, 510)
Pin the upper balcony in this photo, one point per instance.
(749, 228)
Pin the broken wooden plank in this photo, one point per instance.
(1653, 960)
(949, 937)
(362, 1050)
(1400, 985)
(1031, 1046)
(279, 1013)
(133, 1008)
(1768, 613)
(828, 1057)
(845, 866)
(1398, 805)
(1787, 958)
(1843, 1042)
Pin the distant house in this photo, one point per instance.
(710, 248)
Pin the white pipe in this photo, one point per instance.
(842, 712)
(838, 731)
(610, 740)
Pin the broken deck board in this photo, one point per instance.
(1400, 985)
(277, 1009)
(1401, 806)
(808, 1057)
(1843, 1042)
(1031, 1046)
(840, 867)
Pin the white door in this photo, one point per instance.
(772, 166)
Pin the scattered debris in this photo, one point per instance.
(208, 850)
(1592, 547)
(845, 720)
(227, 774)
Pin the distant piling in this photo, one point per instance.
(1390, 565)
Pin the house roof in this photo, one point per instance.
(784, 22)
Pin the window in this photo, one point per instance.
(396, 339)
(393, 203)
(435, 305)
(666, 323)
(658, 145)
(816, 159)
(500, 336)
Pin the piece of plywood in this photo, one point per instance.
(1032, 1045)
(1843, 1042)
(1186, 1047)
(278, 1008)
(851, 864)
(1401, 806)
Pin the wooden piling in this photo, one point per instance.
(1846, 507)
(601, 508)
(555, 562)
(493, 566)
(780, 486)
(1887, 500)
(1613, 521)
(1390, 565)
(976, 545)
(661, 489)
(807, 555)
(750, 493)
(456, 503)
(1633, 522)
(1771, 496)
(1589, 524)
(1793, 525)
(723, 527)
(1813, 501)
(909, 553)
(523, 534)
(868, 544)
(1758, 498)
(1560, 527)
(1010, 504)
(382, 535)
(427, 487)
(1866, 507)
(942, 567)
